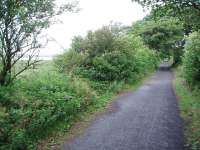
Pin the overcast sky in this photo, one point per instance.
(93, 15)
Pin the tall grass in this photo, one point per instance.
(189, 101)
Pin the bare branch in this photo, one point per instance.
(28, 65)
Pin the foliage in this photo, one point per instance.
(147, 60)
(123, 63)
(172, 3)
(108, 54)
(69, 61)
(164, 35)
(32, 108)
(97, 42)
(108, 66)
(78, 44)
(191, 60)
(187, 11)
(85, 75)
(190, 110)
(21, 23)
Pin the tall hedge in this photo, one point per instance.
(191, 59)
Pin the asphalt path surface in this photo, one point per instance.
(145, 119)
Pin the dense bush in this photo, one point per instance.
(191, 60)
(97, 42)
(36, 103)
(106, 56)
(128, 60)
(112, 64)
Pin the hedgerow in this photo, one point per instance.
(191, 59)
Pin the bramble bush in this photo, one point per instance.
(191, 59)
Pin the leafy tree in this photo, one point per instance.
(99, 41)
(163, 36)
(94, 43)
(187, 11)
(175, 4)
(21, 22)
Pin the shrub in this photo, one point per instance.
(127, 61)
(108, 55)
(191, 59)
(35, 107)
(68, 61)
(147, 60)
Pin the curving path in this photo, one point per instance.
(146, 119)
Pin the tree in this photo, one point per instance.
(164, 35)
(97, 42)
(187, 11)
(78, 44)
(175, 4)
(21, 22)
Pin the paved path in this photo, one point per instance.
(147, 119)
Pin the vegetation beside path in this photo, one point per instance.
(189, 103)
(187, 88)
(32, 108)
(97, 66)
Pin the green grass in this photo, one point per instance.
(189, 101)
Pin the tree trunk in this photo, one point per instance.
(5, 75)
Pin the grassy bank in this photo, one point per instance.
(189, 101)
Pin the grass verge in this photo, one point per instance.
(189, 102)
